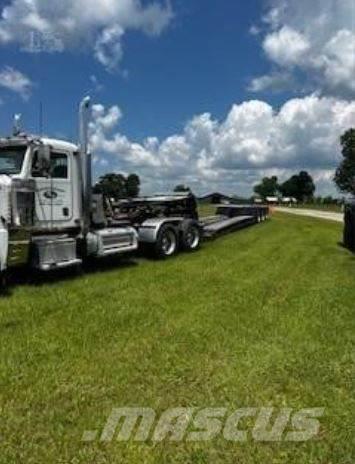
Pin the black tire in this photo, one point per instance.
(3, 282)
(167, 242)
(190, 238)
(349, 229)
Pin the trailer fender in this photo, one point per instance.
(149, 230)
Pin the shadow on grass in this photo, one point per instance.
(23, 277)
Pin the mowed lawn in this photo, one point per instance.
(262, 317)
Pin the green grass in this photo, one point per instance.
(262, 317)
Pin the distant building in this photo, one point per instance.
(215, 198)
(288, 201)
(272, 200)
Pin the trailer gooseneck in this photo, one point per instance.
(50, 219)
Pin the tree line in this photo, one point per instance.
(301, 186)
(118, 186)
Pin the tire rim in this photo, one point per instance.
(192, 238)
(169, 243)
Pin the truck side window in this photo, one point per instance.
(37, 169)
(59, 165)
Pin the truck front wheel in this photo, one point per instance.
(167, 242)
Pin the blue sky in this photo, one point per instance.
(171, 72)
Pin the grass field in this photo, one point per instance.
(262, 317)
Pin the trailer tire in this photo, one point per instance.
(166, 244)
(190, 235)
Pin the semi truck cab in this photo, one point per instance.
(48, 218)
(51, 167)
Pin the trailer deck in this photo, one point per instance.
(230, 217)
(223, 225)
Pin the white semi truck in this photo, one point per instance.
(46, 204)
(50, 218)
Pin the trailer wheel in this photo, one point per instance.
(167, 242)
(190, 236)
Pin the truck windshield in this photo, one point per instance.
(11, 159)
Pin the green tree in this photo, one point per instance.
(117, 186)
(112, 185)
(306, 186)
(329, 200)
(299, 186)
(269, 187)
(290, 187)
(133, 185)
(182, 189)
(345, 174)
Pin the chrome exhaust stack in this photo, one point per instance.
(85, 162)
(16, 131)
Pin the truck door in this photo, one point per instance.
(54, 192)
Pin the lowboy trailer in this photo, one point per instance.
(50, 218)
(233, 217)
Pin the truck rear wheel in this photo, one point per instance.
(167, 242)
(190, 235)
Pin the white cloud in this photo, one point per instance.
(316, 38)
(252, 141)
(97, 86)
(286, 47)
(108, 47)
(14, 80)
(338, 59)
(106, 120)
(254, 30)
(274, 82)
(42, 26)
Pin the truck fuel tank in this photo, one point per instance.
(112, 241)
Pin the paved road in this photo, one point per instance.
(338, 217)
